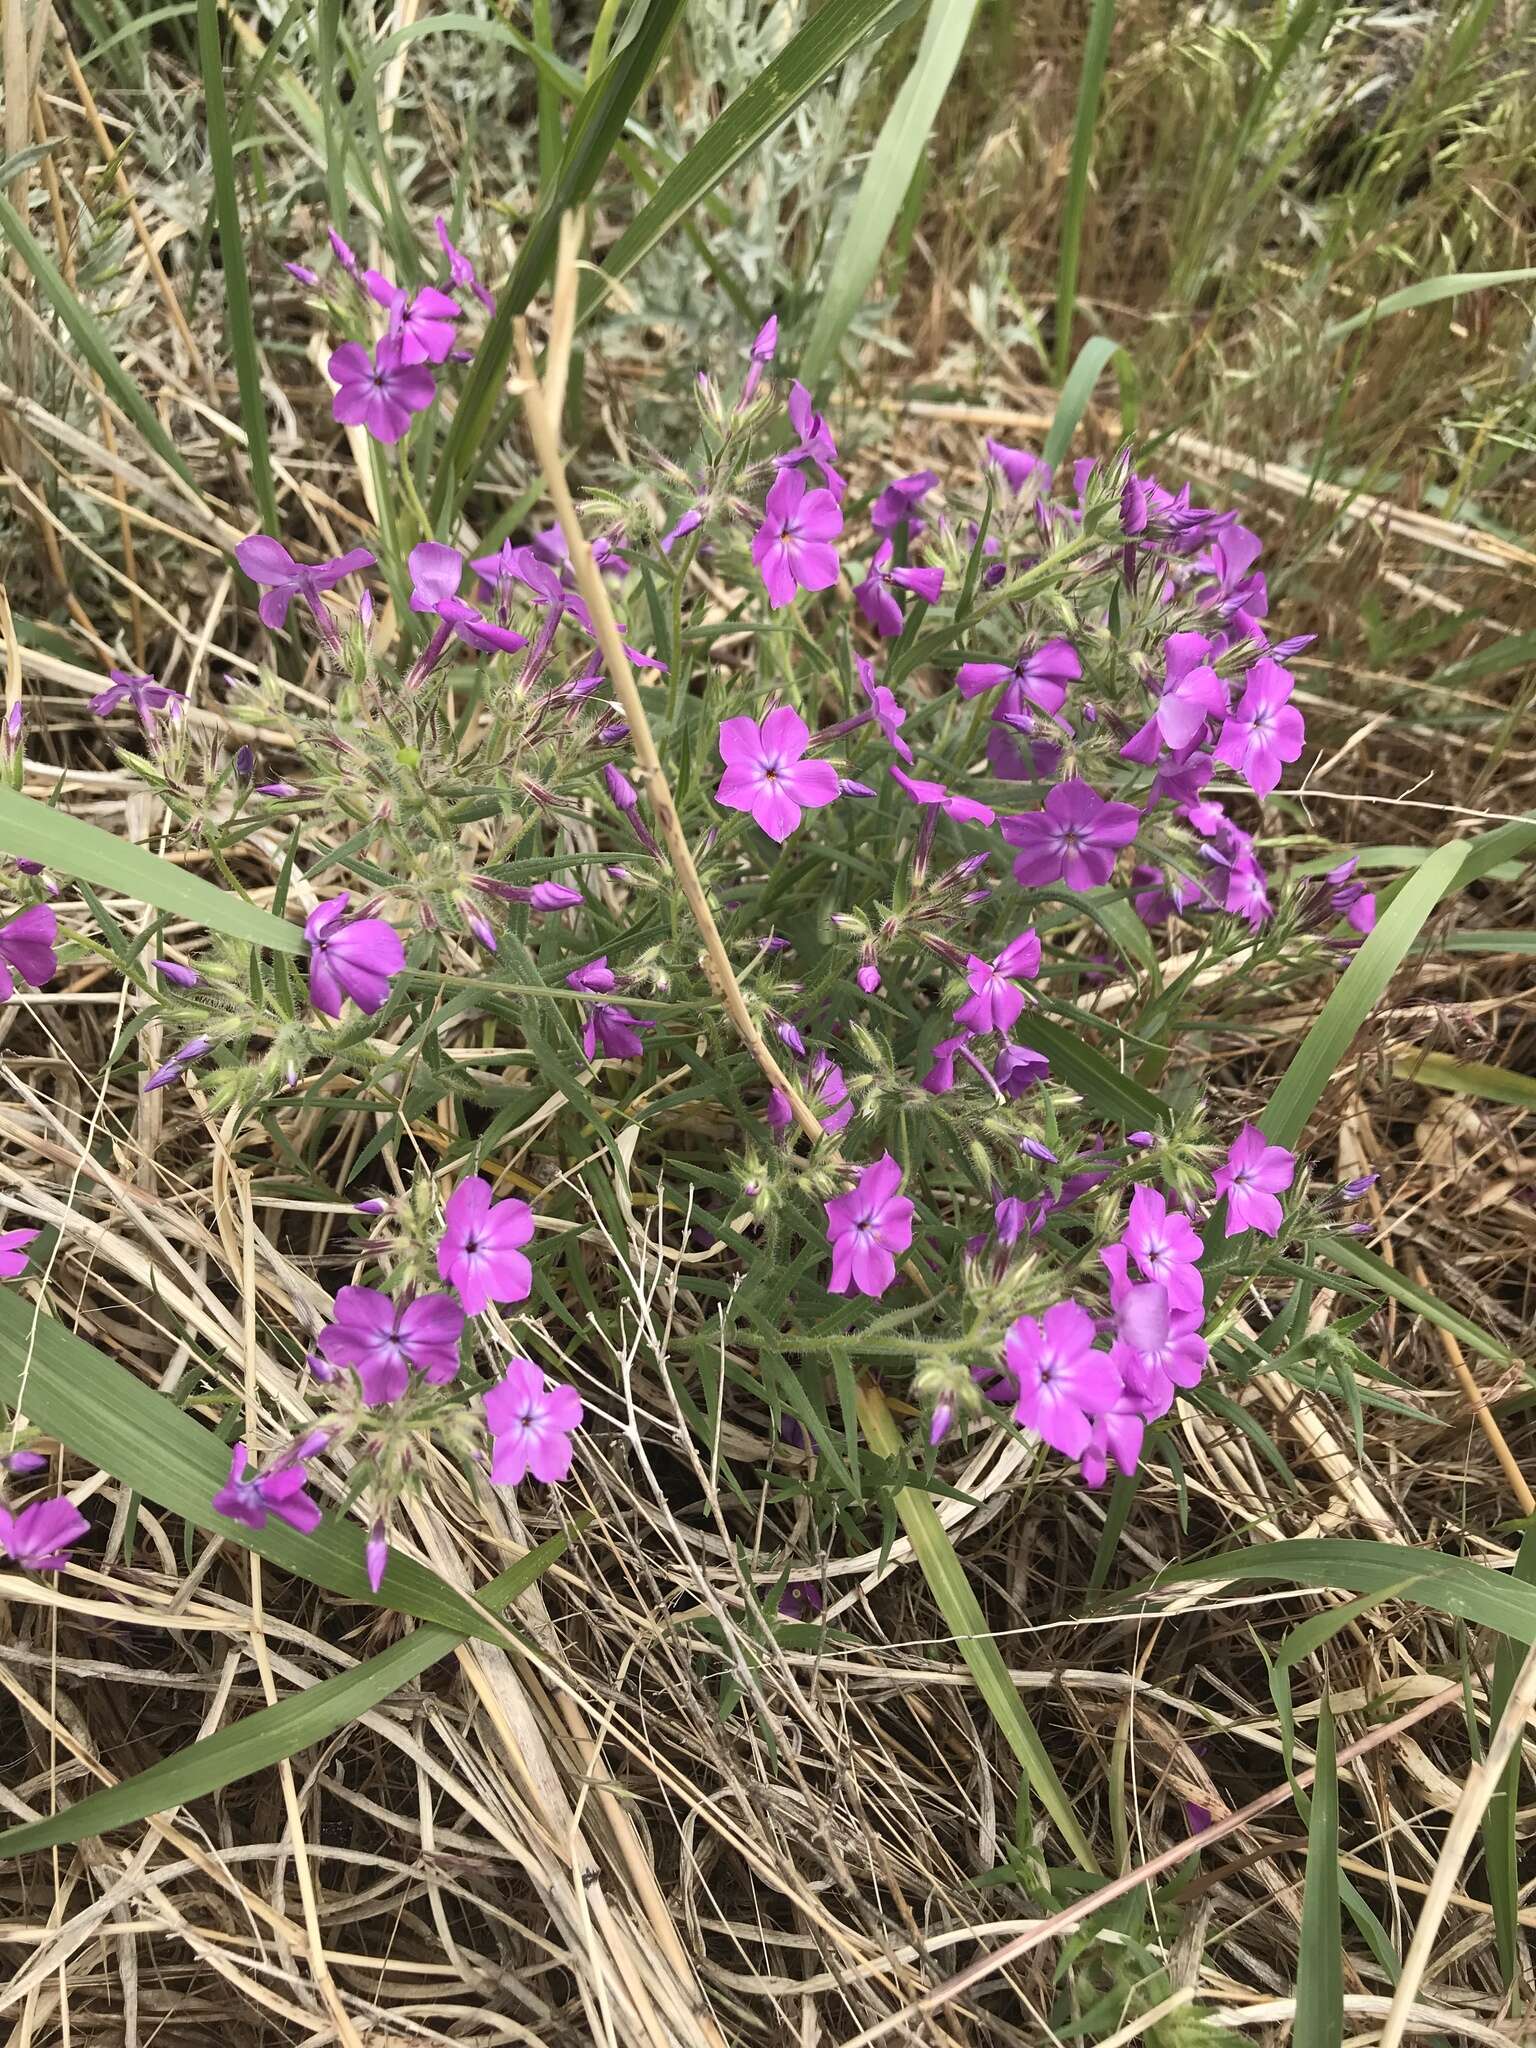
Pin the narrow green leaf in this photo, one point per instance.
(107, 1415)
(1109, 1092)
(899, 149)
(1427, 292)
(1468, 1077)
(1499, 1822)
(1365, 1265)
(273, 1734)
(237, 288)
(1092, 359)
(1319, 2019)
(90, 339)
(1095, 59)
(1359, 990)
(85, 852)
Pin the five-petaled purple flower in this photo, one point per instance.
(481, 1253)
(266, 561)
(27, 943)
(379, 392)
(965, 810)
(460, 269)
(873, 595)
(609, 1025)
(436, 573)
(1253, 1176)
(766, 773)
(1266, 732)
(531, 1425)
(1165, 1246)
(1062, 1381)
(39, 1537)
(382, 1340)
(1074, 839)
(996, 999)
(793, 546)
(866, 1228)
(896, 506)
(251, 1497)
(1040, 674)
(421, 322)
(356, 957)
(142, 692)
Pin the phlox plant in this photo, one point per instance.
(975, 763)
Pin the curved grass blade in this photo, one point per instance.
(1319, 1963)
(83, 851)
(900, 148)
(1501, 1854)
(274, 1733)
(1427, 292)
(1093, 356)
(1365, 1265)
(105, 1414)
(1468, 1077)
(1112, 1094)
(1095, 59)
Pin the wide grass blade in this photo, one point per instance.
(595, 128)
(72, 847)
(274, 1733)
(899, 150)
(945, 1575)
(1365, 1265)
(237, 285)
(807, 60)
(1427, 292)
(1499, 1823)
(86, 332)
(106, 1415)
(1319, 1962)
(1095, 59)
(1092, 358)
(1468, 1077)
(1112, 1095)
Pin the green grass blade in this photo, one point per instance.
(1113, 1095)
(275, 1733)
(1095, 59)
(1359, 990)
(1319, 1965)
(946, 1579)
(1384, 1279)
(810, 56)
(1092, 358)
(549, 98)
(899, 149)
(1499, 1847)
(106, 1415)
(595, 128)
(1468, 1077)
(87, 335)
(237, 286)
(1427, 292)
(73, 847)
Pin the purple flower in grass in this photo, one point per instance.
(436, 572)
(1166, 1247)
(888, 714)
(866, 1228)
(142, 692)
(356, 957)
(802, 1601)
(874, 598)
(460, 268)
(27, 943)
(940, 1077)
(376, 1555)
(996, 997)
(250, 1498)
(1018, 466)
(766, 773)
(22, 1464)
(39, 1537)
(1158, 1349)
(765, 344)
(421, 323)
(1040, 675)
(382, 1340)
(1117, 1434)
(1074, 839)
(14, 1253)
(1253, 1176)
(481, 1252)
(965, 810)
(1192, 694)
(531, 1425)
(1266, 732)
(177, 1064)
(1062, 1381)
(815, 443)
(615, 1030)
(1018, 1068)
(379, 392)
(793, 546)
(267, 562)
(896, 506)
(828, 1093)
(1350, 899)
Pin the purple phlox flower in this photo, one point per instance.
(278, 789)
(1040, 674)
(965, 810)
(690, 522)
(251, 1497)
(420, 323)
(1062, 1381)
(1350, 899)
(815, 443)
(177, 1064)
(1266, 731)
(867, 976)
(1074, 839)
(27, 943)
(436, 572)
(1117, 1434)
(356, 957)
(538, 896)
(1349, 1190)
(142, 692)
(1247, 890)
(1231, 559)
(1036, 1148)
(787, 1033)
(940, 1077)
(896, 506)
(22, 1464)
(996, 998)
(342, 252)
(888, 714)
(1252, 1177)
(551, 545)
(302, 274)
(38, 1538)
(378, 392)
(460, 269)
(866, 1228)
(596, 978)
(267, 562)
(1018, 465)
(829, 1094)
(874, 598)
(766, 773)
(1180, 781)
(481, 1249)
(1018, 1068)
(1166, 1247)
(531, 1425)
(1192, 693)
(764, 346)
(14, 1253)
(1158, 1349)
(1197, 1818)
(376, 1554)
(539, 572)
(382, 1339)
(1159, 896)
(793, 546)
(1011, 1218)
(802, 1601)
(174, 972)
